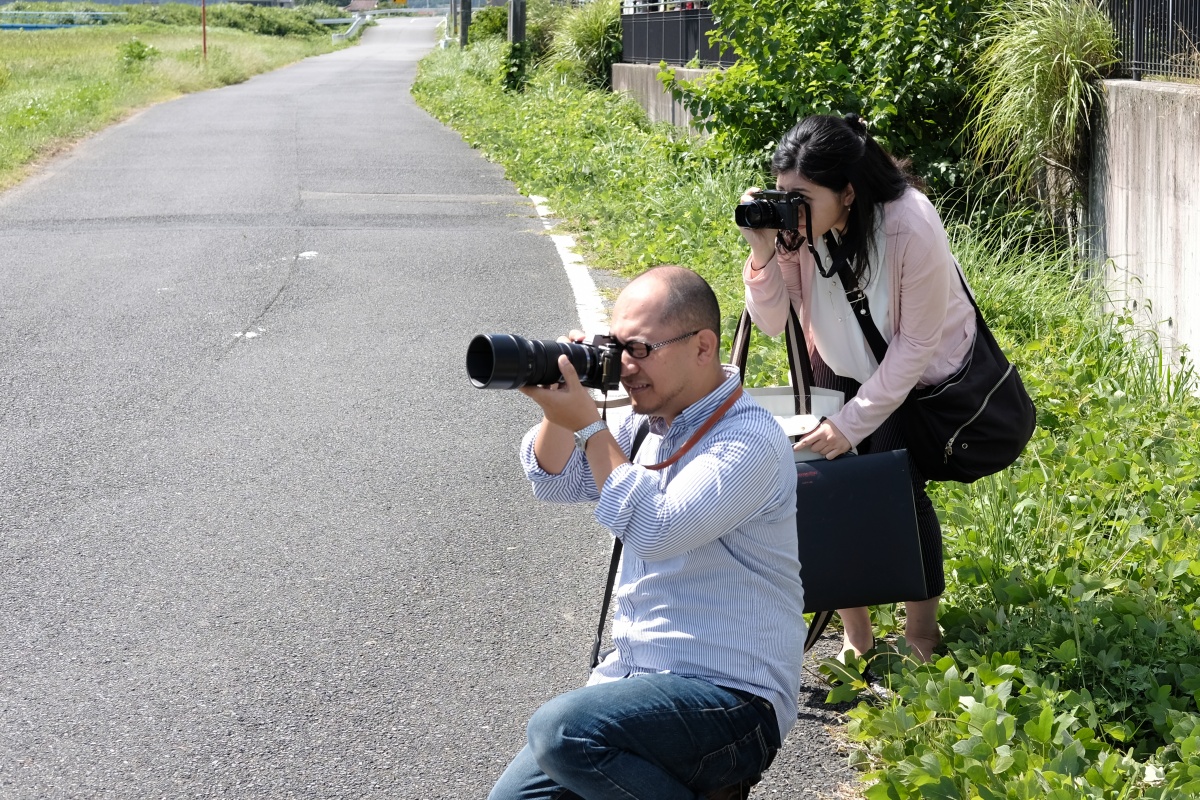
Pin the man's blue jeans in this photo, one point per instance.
(648, 737)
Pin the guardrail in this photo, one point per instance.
(355, 28)
(422, 11)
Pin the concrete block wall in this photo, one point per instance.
(640, 81)
(1145, 207)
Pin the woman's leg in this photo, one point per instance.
(857, 635)
(921, 627)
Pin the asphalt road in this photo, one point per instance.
(259, 537)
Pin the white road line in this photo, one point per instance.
(592, 316)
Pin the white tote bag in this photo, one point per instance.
(799, 407)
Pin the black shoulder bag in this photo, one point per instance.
(974, 423)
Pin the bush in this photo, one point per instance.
(897, 64)
(589, 42)
(135, 53)
(542, 21)
(488, 22)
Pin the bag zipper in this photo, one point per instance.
(950, 444)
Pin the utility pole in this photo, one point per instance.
(465, 13)
(516, 21)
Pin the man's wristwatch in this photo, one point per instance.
(581, 437)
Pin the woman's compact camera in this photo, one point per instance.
(505, 361)
(771, 208)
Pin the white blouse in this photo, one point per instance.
(837, 335)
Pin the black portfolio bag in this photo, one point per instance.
(856, 525)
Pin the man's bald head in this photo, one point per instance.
(687, 301)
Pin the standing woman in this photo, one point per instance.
(862, 203)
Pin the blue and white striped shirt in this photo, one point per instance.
(710, 576)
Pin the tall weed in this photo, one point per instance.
(1038, 85)
(589, 43)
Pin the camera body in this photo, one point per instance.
(771, 208)
(505, 361)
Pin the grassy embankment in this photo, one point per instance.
(1071, 660)
(57, 86)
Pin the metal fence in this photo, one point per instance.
(1158, 37)
(676, 33)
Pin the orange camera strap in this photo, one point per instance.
(701, 431)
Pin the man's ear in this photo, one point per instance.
(710, 347)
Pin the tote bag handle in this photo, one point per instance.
(799, 363)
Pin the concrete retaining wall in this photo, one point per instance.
(640, 81)
(1145, 208)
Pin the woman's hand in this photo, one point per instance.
(826, 441)
(761, 240)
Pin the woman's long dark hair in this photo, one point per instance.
(833, 152)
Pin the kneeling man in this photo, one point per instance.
(701, 687)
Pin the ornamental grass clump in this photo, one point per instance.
(1038, 86)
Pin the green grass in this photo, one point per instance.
(57, 86)
(1071, 661)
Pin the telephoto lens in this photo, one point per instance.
(505, 361)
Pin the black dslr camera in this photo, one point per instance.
(504, 361)
(771, 208)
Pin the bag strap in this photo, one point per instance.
(862, 309)
(820, 621)
(799, 363)
(862, 312)
(614, 562)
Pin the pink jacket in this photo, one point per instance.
(932, 314)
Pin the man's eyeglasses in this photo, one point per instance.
(642, 349)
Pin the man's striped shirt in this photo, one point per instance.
(710, 577)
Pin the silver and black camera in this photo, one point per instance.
(505, 361)
(771, 208)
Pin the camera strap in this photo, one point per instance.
(640, 436)
(615, 561)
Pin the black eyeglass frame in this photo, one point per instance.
(650, 348)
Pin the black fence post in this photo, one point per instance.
(1137, 30)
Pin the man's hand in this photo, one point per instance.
(826, 441)
(568, 404)
(568, 407)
